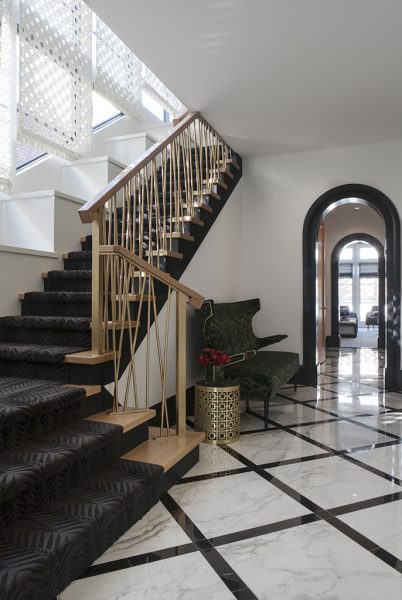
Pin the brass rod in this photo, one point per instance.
(180, 363)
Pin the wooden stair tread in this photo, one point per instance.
(177, 235)
(88, 358)
(128, 420)
(120, 324)
(201, 206)
(206, 193)
(90, 390)
(166, 451)
(168, 253)
(216, 181)
(189, 219)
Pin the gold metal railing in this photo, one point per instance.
(139, 215)
(133, 292)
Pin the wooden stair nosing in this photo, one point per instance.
(167, 253)
(166, 451)
(90, 390)
(207, 193)
(127, 420)
(178, 235)
(189, 219)
(216, 181)
(88, 357)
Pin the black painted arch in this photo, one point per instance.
(384, 206)
(354, 237)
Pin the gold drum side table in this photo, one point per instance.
(217, 411)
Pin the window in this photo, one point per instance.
(153, 106)
(368, 253)
(347, 253)
(358, 278)
(103, 111)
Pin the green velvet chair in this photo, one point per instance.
(228, 327)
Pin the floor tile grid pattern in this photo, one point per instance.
(207, 546)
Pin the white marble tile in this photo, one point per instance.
(352, 388)
(342, 435)
(381, 524)
(333, 481)
(290, 413)
(311, 562)
(297, 413)
(155, 531)
(390, 422)
(351, 405)
(229, 504)
(391, 399)
(213, 460)
(273, 446)
(306, 393)
(324, 378)
(187, 577)
(387, 459)
(249, 422)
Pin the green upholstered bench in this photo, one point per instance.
(228, 327)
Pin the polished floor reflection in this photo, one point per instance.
(311, 509)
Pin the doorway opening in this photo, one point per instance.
(358, 293)
(354, 197)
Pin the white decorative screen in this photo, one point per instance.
(55, 104)
(157, 90)
(6, 160)
(118, 72)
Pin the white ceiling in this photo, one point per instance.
(275, 76)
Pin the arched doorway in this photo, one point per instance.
(333, 340)
(383, 205)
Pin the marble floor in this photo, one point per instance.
(310, 509)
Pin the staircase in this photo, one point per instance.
(65, 493)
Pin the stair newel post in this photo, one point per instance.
(97, 281)
(181, 338)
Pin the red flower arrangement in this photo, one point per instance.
(210, 357)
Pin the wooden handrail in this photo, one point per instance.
(196, 300)
(88, 211)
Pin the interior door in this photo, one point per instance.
(320, 295)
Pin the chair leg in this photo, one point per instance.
(294, 383)
(266, 414)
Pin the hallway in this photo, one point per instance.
(311, 509)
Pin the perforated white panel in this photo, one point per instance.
(155, 88)
(55, 106)
(6, 162)
(118, 72)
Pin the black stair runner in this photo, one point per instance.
(65, 495)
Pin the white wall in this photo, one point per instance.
(279, 190)
(21, 272)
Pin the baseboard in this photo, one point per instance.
(393, 384)
(307, 375)
(333, 341)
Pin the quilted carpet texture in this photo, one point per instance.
(65, 497)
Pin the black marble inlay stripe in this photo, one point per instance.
(140, 559)
(244, 534)
(221, 567)
(250, 431)
(342, 418)
(325, 387)
(328, 516)
(308, 423)
(278, 463)
(215, 475)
